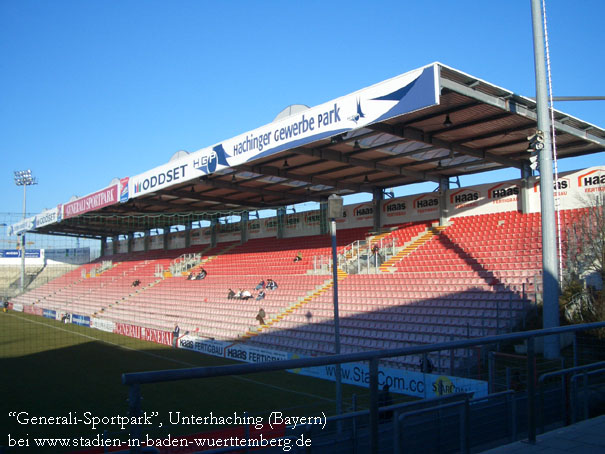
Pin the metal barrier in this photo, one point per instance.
(135, 380)
(564, 386)
(585, 376)
(356, 433)
(359, 257)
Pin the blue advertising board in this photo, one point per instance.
(49, 313)
(16, 253)
(82, 320)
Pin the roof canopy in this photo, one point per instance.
(431, 123)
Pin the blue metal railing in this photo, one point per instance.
(563, 373)
(136, 379)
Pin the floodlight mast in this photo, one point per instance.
(550, 274)
(24, 178)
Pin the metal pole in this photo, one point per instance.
(577, 98)
(550, 276)
(491, 363)
(336, 318)
(531, 392)
(374, 406)
(575, 350)
(354, 423)
(23, 244)
(465, 427)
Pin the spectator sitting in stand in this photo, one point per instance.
(271, 284)
(231, 294)
(238, 295)
(246, 295)
(298, 257)
(191, 277)
(260, 285)
(261, 295)
(202, 274)
(136, 283)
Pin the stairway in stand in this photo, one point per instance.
(327, 285)
(430, 232)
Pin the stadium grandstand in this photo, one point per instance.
(163, 259)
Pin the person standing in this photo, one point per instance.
(175, 335)
(261, 316)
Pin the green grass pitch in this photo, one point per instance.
(51, 369)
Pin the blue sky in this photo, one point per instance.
(92, 90)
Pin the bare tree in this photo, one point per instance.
(585, 241)
(584, 248)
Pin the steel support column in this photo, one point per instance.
(550, 274)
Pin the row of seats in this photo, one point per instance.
(469, 280)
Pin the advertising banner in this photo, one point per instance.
(10, 253)
(406, 93)
(124, 190)
(82, 320)
(126, 329)
(91, 202)
(47, 217)
(411, 383)
(360, 215)
(591, 181)
(22, 226)
(207, 346)
(102, 325)
(237, 351)
(49, 313)
(32, 309)
(147, 334)
(250, 354)
(157, 336)
(407, 382)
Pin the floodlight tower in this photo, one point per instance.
(24, 178)
(550, 275)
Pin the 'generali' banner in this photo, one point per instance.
(99, 199)
(148, 334)
(157, 336)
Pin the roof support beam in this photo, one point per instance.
(200, 197)
(443, 113)
(336, 156)
(162, 203)
(276, 172)
(467, 124)
(419, 136)
(497, 133)
(280, 194)
(509, 105)
(76, 234)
